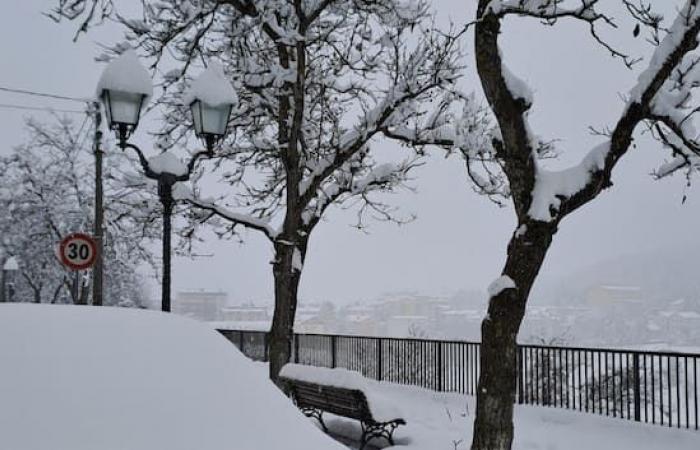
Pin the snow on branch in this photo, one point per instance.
(662, 97)
(545, 9)
(184, 194)
(359, 178)
(428, 69)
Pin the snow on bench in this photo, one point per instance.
(345, 393)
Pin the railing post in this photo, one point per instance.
(266, 350)
(380, 359)
(637, 388)
(296, 348)
(439, 364)
(334, 352)
(521, 378)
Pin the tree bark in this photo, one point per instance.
(493, 426)
(287, 278)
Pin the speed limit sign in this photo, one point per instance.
(78, 251)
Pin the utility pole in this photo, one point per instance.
(2, 279)
(97, 271)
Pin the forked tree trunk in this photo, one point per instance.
(287, 278)
(493, 426)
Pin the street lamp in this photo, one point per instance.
(124, 88)
(9, 269)
(210, 98)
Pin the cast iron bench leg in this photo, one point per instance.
(377, 430)
(316, 414)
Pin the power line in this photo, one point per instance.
(43, 94)
(40, 108)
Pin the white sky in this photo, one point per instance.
(459, 239)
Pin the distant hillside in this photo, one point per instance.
(662, 276)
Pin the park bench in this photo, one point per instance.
(313, 399)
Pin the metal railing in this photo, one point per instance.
(653, 387)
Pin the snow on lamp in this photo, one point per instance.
(211, 98)
(124, 89)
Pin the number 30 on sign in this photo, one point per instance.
(78, 251)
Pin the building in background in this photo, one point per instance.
(201, 305)
(613, 295)
(246, 313)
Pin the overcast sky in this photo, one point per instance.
(459, 238)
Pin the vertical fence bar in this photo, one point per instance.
(521, 375)
(668, 383)
(607, 385)
(560, 376)
(678, 395)
(334, 352)
(685, 377)
(296, 348)
(637, 388)
(265, 349)
(439, 366)
(626, 373)
(600, 377)
(695, 389)
(380, 360)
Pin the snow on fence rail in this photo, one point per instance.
(653, 387)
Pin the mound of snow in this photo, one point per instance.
(86, 378)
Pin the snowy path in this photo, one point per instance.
(442, 421)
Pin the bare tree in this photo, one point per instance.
(318, 82)
(46, 192)
(661, 101)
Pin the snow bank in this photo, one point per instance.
(212, 87)
(167, 162)
(382, 408)
(86, 378)
(125, 73)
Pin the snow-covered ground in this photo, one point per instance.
(88, 378)
(441, 421)
(79, 378)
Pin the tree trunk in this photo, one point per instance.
(287, 275)
(493, 426)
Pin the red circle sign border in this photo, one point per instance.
(90, 242)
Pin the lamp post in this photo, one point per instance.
(210, 99)
(9, 270)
